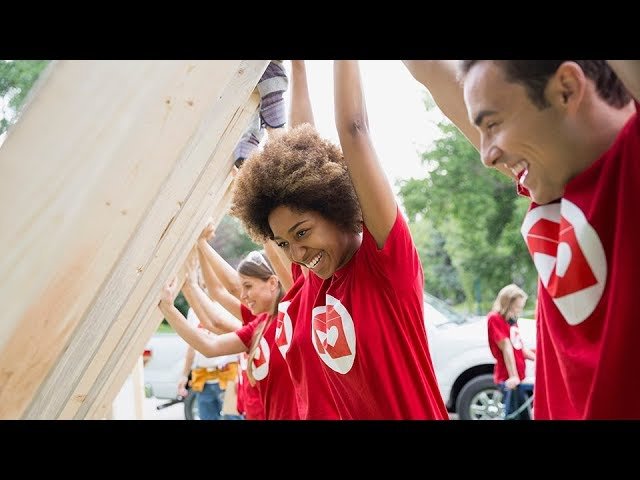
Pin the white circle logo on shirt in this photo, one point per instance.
(283, 328)
(260, 363)
(569, 257)
(514, 336)
(333, 335)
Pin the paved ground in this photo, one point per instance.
(174, 412)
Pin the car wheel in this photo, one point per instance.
(480, 399)
(191, 407)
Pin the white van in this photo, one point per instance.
(459, 349)
(463, 363)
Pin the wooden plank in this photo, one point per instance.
(105, 151)
(175, 239)
(117, 373)
(146, 317)
(125, 342)
(137, 377)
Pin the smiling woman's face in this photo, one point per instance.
(257, 294)
(311, 240)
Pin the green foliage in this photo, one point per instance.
(231, 242)
(466, 220)
(16, 79)
(440, 276)
(181, 304)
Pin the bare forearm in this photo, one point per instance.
(529, 354)
(190, 334)
(440, 78)
(372, 187)
(206, 311)
(208, 345)
(629, 72)
(509, 360)
(218, 292)
(225, 272)
(190, 294)
(300, 111)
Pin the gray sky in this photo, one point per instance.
(399, 122)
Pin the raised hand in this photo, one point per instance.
(208, 232)
(169, 291)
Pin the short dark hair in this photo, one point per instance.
(534, 75)
(300, 170)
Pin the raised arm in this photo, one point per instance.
(300, 110)
(225, 272)
(374, 192)
(208, 345)
(280, 263)
(440, 78)
(190, 290)
(629, 72)
(211, 317)
(215, 288)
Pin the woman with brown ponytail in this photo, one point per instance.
(252, 295)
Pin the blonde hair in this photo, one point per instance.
(506, 297)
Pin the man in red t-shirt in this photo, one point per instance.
(568, 133)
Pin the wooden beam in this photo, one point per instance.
(106, 165)
(115, 370)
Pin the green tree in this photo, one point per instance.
(231, 242)
(476, 213)
(440, 276)
(16, 79)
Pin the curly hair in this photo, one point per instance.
(300, 170)
(534, 75)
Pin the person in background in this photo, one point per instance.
(271, 114)
(261, 292)
(210, 378)
(507, 348)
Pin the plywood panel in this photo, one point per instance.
(98, 170)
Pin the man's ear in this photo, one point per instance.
(566, 87)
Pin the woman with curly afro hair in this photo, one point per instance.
(351, 331)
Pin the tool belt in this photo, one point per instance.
(199, 376)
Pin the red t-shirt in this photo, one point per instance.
(269, 370)
(498, 328)
(314, 398)
(366, 326)
(585, 248)
(249, 402)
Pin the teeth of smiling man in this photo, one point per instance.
(314, 261)
(518, 168)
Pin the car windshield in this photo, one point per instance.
(449, 314)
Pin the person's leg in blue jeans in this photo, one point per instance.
(512, 400)
(210, 402)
